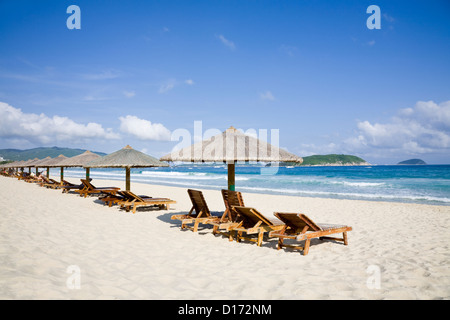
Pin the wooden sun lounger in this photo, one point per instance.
(67, 186)
(91, 189)
(202, 213)
(230, 199)
(252, 222)
(111, 198)
(49, 183)
(133, 201)
(299, 227)
(23, 176)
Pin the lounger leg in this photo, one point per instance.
(306, 249)
(260, 238)
(134, 208)
(196, 226)
(280, 243)
(238, 236)
(345, 238)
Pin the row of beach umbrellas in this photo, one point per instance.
(230, 146)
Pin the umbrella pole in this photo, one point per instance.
(88, 172)
(127, 179)
(62, 174)
(231, 183)
(48, 172)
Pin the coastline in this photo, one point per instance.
(317, 184)
(146, 256)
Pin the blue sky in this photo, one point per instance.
(138, 70)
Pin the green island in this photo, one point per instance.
(333, 160)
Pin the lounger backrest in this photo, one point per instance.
(199, 203)
(251, 215)
(87, 184)
(232, 199)
(132, 196)
(297, 222)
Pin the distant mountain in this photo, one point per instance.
(333, 160)
(413, 161)
(41, 153)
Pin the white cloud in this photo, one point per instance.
(228, 43)
(422, 129)
(289, 50)
(371, 43)
(144, 129)
(388, 17)
(103, 75)
(42, 129)
(129, 94)
(167, 86)
(267, 96)
(189, 82)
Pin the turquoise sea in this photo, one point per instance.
(428, 184)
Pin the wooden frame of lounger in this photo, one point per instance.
(202, 213)
(67, 186)
(31, 179)
(90, 189)
(252, 222)
(48, 183)
(229, 217)
(133, 200)
(111, 198)
(299, 227)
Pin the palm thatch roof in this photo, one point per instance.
(79, 160)
(53, 162)
(17, 164)
(229, 146)
(36, 164)
(126, 158)
(30, 163)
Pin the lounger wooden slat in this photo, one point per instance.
(251, 222)
(89, 188)
(132, 201)
(300, 227)
(229, 217)
(110, 198)
(202, 213)
(67, 186)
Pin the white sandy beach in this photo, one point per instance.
(122, 255)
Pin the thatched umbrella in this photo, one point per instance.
(37, 164)
(16, 164)
(126, 158)
(54, 163)
(80, 160)
(231, 146)
(29, 164)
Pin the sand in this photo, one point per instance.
(62, 246)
